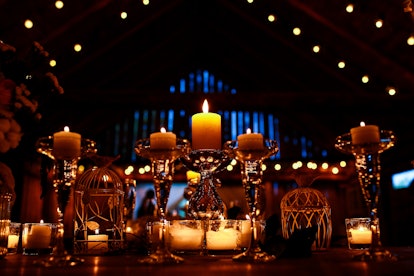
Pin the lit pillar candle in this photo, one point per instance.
(250, 141)
(365, 134)
(206, 129)
(66, 144)
(97, 243)
(163, 140)
(361, 235)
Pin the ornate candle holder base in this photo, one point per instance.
(205, 204)
(64, 178)
(162, 163)
(368, 167)
(251, 173)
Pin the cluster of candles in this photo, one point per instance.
(206, 134)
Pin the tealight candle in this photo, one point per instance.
(13, 241)
(365, 134)
(97, 243)
(66, 144)
(206, 129)
(250, 141)
(361, 235)
(163, 140)
(185, 237)
(225, 237)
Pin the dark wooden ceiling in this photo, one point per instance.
(129, 64)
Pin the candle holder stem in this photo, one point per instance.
(162, 165)
(367, 157)
(251, 162)
(64, 177)
(206, 204)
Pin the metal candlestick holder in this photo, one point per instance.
(251, 173)
(205, 203)
(368, 167)
(65, 171)
(162, 164)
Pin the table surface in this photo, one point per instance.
(334, 261)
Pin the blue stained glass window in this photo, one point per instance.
(205, 81)
(219, 86)
(303, 146)
(191, 84)
(162, 119)
(172, 89)
(233, 125)
(170, 120)
(255, 122)
(182, 86)
(240, 126)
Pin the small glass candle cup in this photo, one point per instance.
(186, 236)
(223, 237)
(39, 238)
(14, 237)
(358, 233)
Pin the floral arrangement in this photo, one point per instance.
(23, 80)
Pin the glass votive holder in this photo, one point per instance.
(155, 233)
(14, 237)
(358, 232)
(185, 236)
(38, 238)
(223, 236)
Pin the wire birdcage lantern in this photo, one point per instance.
(99, 203)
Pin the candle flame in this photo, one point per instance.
(248, 131)
(205, 106)
(66, 129)
(96, 231)
(41, 221)
(362, 123)
(163, 130)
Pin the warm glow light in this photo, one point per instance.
(365, 79)
(362, 123)
(77, 47)
(233, 162)
(141, 171)
(66, 129)
(52, 63)
(341, 64)
(335, 170)
(163, 130)
(145, 2)
(147, 168)
(349, 8)
(316, 49)
(271, 18)
(28, 23)
(379, 23)
(124, 15)
(410, 40)
(278, 167)
(342, 164)
(250, 1)
(391, 91)
(205, 106)
(325, 165)
(229, 168)
(264, 167)
(59, 4)
(296, 31)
